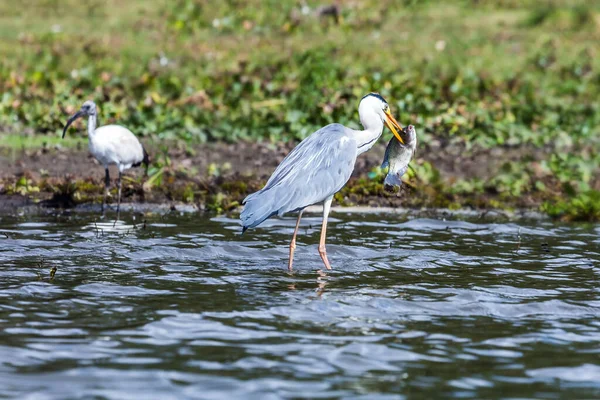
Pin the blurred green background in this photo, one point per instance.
(474, 74)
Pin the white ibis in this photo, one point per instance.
(110, 144)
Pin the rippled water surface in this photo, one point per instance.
(185, 307)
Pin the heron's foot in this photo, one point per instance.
(323, 254)
(291, 260)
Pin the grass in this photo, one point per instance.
(476, 74)
(27, 142)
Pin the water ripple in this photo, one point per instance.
(185, 307)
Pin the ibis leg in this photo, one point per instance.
(322, 251)
(293, 243)
(119, 196)
(106, 186)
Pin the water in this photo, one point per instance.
(186, 308)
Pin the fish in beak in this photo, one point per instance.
(393, 125)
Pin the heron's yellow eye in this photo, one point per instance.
(386, 108)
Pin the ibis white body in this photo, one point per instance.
(114, 144)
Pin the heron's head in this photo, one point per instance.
(88, 108)
(375, 103)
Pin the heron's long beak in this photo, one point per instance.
(71, 120)
(393, 125)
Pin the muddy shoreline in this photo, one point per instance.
(216, 177)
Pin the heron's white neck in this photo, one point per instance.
(373, 125)
(92, 121)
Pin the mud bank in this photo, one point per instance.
(217, 177)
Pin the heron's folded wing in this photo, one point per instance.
(316, 169)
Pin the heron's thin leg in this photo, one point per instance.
(322, 251)
(293, 243)
(106, 186)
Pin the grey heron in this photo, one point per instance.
(317, 168)
(110, 144)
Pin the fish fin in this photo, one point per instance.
(386, 155)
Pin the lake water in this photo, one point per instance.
(184, 307)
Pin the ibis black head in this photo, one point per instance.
(88, 108)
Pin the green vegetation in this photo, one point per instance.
(581, 207)
(471, 74)
(19, 142)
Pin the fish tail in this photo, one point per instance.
(392, 180)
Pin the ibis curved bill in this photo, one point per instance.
(317, 168)
(71, 120)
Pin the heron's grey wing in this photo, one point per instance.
(314, 170)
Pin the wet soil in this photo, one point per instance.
(260, 159)
(218, 176)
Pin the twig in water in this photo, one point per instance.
(40, 265)
(545, 247)
(519, 240)
(98, 230)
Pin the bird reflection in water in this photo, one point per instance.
(322, 282)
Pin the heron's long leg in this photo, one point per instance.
(293, 243)
(106, 186)
(322, 251)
